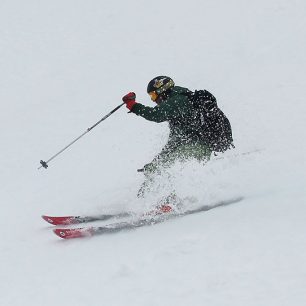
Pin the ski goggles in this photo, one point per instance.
(153, 95)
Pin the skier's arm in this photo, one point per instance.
(172, 108)
(156, 114)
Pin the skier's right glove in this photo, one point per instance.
(129, 100)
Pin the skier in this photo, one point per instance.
(197, 126)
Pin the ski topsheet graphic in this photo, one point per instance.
(159, 215)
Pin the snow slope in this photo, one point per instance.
(65, 64)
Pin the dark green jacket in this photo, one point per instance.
(178, 111)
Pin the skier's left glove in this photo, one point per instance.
(129, 100)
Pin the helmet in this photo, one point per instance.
(158, 86)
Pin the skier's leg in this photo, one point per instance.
(167, 157)
(155, 169)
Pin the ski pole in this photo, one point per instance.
(45, 163)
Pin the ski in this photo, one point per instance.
(70, 220)
(68, 233)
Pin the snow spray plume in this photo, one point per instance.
(44, 164)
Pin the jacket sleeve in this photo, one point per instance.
(170, 109)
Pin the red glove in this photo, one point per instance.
(129, 100)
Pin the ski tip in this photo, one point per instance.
(69, 233)
(67, 220)
(48, 219)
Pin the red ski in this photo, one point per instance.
(68, 233)
(69, 220)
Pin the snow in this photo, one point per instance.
(66, 64)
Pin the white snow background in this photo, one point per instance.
(66, 64)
